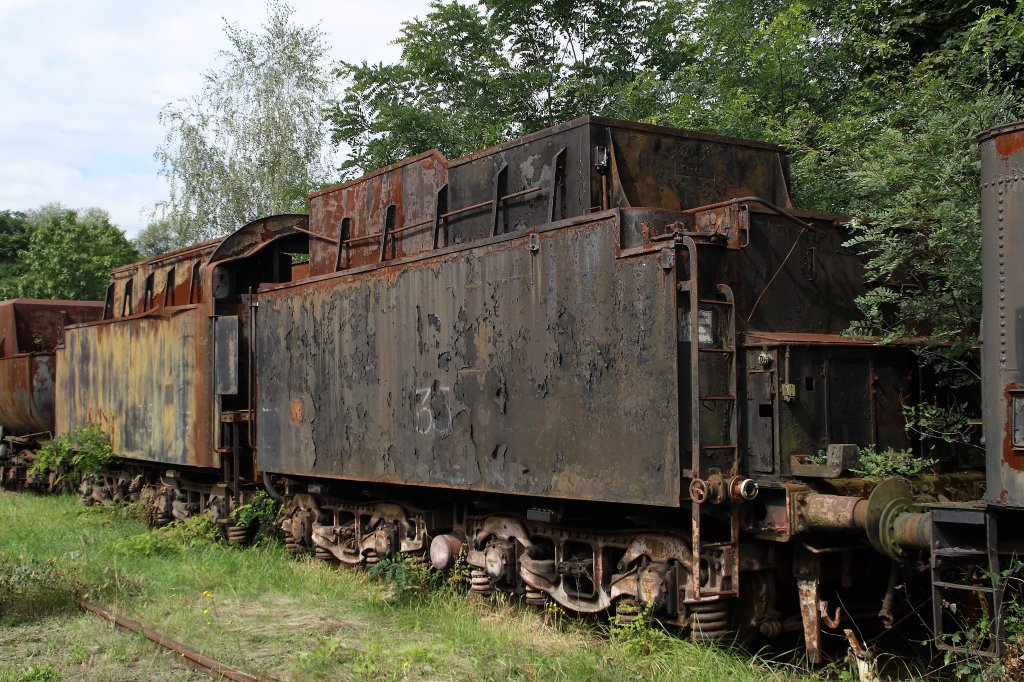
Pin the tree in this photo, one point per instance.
(899, 153)
(70, 253)
(14, 234)
(254, 140)
(474, 75)
(878, 102)
(159, 236)
(754, 63)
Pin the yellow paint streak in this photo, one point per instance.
(136, 380)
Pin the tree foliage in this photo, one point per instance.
(474, 75)
(14, 235)
(878, 102)
(70, 253)
(159, 236)
(253, 141)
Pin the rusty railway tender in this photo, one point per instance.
(604, 364)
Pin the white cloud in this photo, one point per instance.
(84, 82)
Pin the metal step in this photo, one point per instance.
(960, 586)
(959, 552)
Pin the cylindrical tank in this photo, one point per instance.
(1002, 351)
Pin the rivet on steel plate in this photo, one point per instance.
(534, 242)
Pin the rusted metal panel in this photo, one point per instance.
(1002, 348)
(168, 280)
(607, 164)
(794, 279)
(254, 234)
(411, 186)
(144, 382)
(756, 339)
(559, 173)
(760, 416)
(26, 398)
(225, 354)
(529, 163)
(803, 398)
(676, 169)
(543, 366)
(29, 331)
(30, 325)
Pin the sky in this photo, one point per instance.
(82, 83)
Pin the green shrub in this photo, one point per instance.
(260, 511)
(975, 628)
(73, 456)
(411, 581)
(174, 538)
(941, 423)
(640, 636)
(890, 463)
(31, 673)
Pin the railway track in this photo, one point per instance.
(192, 658)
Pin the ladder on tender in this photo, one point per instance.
(967, 586)
(711, 322)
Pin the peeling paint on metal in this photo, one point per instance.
(491, 369)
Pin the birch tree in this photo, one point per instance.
(253, 141)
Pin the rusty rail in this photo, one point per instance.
(194, 659)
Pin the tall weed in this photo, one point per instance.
(36, 589)
(175, 538)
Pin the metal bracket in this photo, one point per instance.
(668, 259)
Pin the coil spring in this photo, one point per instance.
(237, 535)
(323, 554)
(371, 558)
(535, 597)
(628, 610)
(479, 582)
(710, 621)
(292, 546)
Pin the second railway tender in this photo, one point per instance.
(602, 363)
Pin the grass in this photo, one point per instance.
(268, 614)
